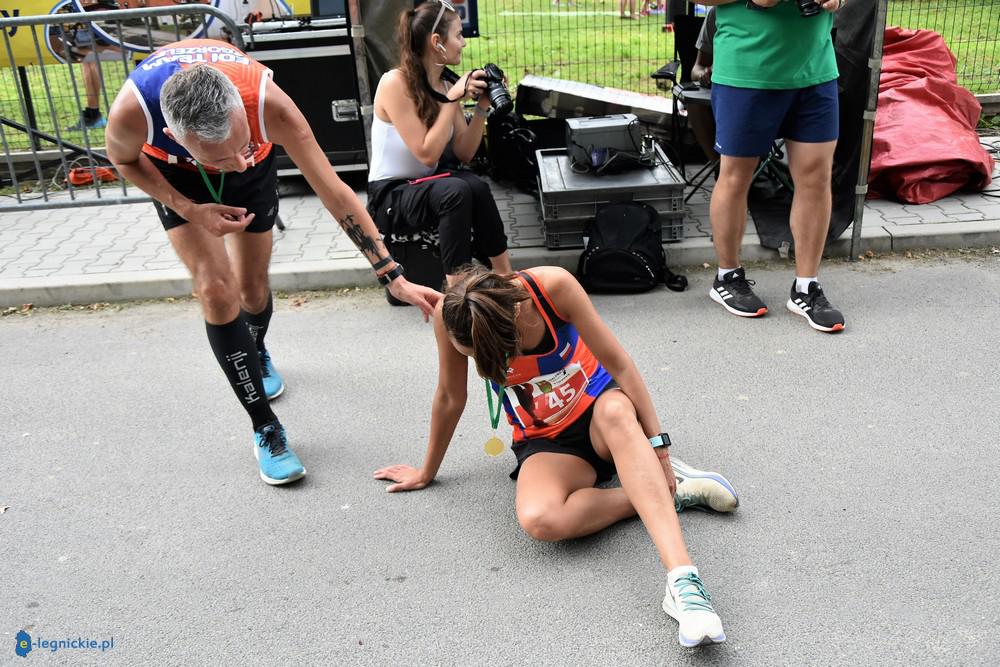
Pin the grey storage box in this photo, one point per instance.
(570, 200)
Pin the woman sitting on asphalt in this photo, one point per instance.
(580, 412)
(417, 117)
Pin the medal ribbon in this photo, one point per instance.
(217, 196)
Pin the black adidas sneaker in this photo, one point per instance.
(735, 293)
(814, 306)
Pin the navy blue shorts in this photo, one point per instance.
(748, 120)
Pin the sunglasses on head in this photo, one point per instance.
(444, 5)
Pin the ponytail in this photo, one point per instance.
(479, 312)
(414, 33)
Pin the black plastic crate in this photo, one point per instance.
(561, 234)
(568, 195)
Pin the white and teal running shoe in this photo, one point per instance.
(273, 384)
(278, 464)
(688, 602)
(702, 489)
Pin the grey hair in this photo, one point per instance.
(199, 100)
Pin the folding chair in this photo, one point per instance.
(675, 76)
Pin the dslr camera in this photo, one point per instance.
(496, 90)
(807, 8)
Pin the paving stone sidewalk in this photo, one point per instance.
(87, 254)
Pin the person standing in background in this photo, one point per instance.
(774, 75)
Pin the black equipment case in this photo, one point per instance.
(313, 62)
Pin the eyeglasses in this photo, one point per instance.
(444, 5)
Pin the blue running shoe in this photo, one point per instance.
(701, 489)
(273, 384)
(98, 123)
(688, 602)
(278, 464)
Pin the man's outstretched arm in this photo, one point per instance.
(287, 126)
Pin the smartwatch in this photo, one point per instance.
(389, 276)
(660, 440)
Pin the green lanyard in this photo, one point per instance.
(217, 196)
(494, 418)
(494, 446)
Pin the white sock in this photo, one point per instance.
(802, 284)
(723, 272)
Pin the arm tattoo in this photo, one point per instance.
(364, 243)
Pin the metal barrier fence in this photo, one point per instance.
(971, 28)
(587, 41)
(56, 67)
(44, 139)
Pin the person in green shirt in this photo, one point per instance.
(774, 75)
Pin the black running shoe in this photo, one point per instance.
(735, 293)
(813, 306)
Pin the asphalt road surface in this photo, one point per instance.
(867, 464)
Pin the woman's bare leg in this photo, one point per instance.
(616, 434)
(556, 498)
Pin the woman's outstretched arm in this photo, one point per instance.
(446, 410)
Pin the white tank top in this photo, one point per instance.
(390, 156)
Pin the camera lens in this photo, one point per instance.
(497, 91)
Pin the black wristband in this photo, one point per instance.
(382, 263)
(389, 276)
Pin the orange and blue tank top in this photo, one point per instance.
(248, 75)
(546, 392)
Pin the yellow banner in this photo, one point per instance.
(24, 46)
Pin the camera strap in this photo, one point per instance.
(448, 76)
(436, 94)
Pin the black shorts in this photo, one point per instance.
(256, 190)
(574, 440)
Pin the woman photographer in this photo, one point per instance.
(580, 413)
(418, 117)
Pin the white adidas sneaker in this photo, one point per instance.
(688, 602)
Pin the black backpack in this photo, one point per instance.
(624, 253)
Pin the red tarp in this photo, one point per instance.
(925, 145)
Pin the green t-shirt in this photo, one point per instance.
(772, 48)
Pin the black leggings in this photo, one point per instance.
(460, 206)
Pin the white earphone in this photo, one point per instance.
(441, 48)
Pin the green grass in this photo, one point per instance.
(587, 42)
(63, 111)
(970, 29)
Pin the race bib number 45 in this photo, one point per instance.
(548, 399)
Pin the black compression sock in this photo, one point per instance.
(234, 349)
(91, 113)
(257, 322)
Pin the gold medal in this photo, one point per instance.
(494, 446)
